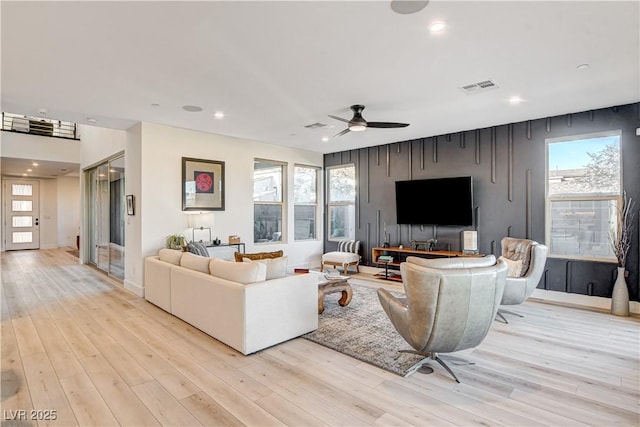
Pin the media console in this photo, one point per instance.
(399, 254)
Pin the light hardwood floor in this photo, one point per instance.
(75, 343)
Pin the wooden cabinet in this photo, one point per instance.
(400, 254)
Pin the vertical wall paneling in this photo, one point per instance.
(548, 124)
(368, 163)
(358, 181)
(378, 155)
(509, 228)
(422, 154)
(365, 253)
(388, 161)
(410, 159)
(510, 162)
(528, 129)
(591, 115)
(493, 155)
(477, 146)
(398, 233)
(567, 285)
(463, 139)
(448, 137)
(378, 227)
(398, 147)
(434, 146)
(528, 204)
(493, 247)
(476, 216)
(569, 120)
(615, 109)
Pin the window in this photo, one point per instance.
(583, 192)
(341, 199)
(268, 200)
(305, 196)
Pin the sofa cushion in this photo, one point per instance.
(197, 248)
(518, 249)
(172, 256)
(195, 262)
(276, 267)
(514, 267)
(258, 255)
(241, 272)
(455, 262)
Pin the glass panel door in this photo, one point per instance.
(22, 227)
(102, 217)
(117, 217)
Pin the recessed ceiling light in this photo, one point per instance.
(91, 120)
(325, 138)
(34, 164)
(406, 7)
(29, 170)
(192, 108)
(219, 114)
(155, 105)
(437, 27)
(582, 66)
(24, 174)
(515, 100)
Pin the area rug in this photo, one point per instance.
(363, 331)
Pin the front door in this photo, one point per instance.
(22, 214)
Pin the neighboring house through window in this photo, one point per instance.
(305, 195)
(268, 200)
(341, 200)
(584, 191)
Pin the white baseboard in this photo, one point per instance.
(133, 287)
(599, 303)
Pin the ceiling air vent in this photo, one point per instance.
(316, 125)
(479, 87)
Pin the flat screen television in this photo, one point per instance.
(441, 201)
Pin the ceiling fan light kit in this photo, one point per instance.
(359, 124)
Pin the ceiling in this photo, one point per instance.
(274, 67)
(10, 166)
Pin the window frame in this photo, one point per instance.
(315, 205)
(282, 203)
(331, 204)
(549, 199)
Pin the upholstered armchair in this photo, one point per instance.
(526, 260)
(346, 255)
(450, 304)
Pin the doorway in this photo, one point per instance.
(106, 214)
(22, 214)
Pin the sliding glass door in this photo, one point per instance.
(105, 184)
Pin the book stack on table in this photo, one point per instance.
(385, 258)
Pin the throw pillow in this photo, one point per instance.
(197, 248)
(518, 249)
(514, 267)
(172, 256)
(259, 255)
(245, 272)
(276, 267)
(195, 262)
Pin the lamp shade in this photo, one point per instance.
(200, 220)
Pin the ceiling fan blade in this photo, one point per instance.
(386, 125)
(339, 118)
(342, 133)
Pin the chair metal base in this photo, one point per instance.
(501, 312)
(428, 356)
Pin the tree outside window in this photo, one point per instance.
(268, 201)
(341, 202)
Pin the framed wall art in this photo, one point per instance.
(202, 185)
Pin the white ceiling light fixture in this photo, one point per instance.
(34, 164)
(219, 115)
(437, 27)
(516, 100)
(407, 7)
(192, 108)
(325, 139)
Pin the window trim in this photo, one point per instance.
(579, 197)
(282, 203)
(329, 204)
(318, 171)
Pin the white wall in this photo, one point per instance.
(38, 147)
(48, 213)
(99, 144)
(68, 210)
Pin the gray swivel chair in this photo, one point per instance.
(450, 304)
(517, 289)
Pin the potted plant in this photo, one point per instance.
(176, 241)
(620, 240)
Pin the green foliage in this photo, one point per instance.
(175, 241)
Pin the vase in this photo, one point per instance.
(620, 296)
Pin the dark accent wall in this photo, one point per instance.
(507, 163)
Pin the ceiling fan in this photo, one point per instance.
(358, 123)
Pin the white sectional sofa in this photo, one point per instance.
(232, 301)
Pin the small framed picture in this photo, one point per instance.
(130, 205)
